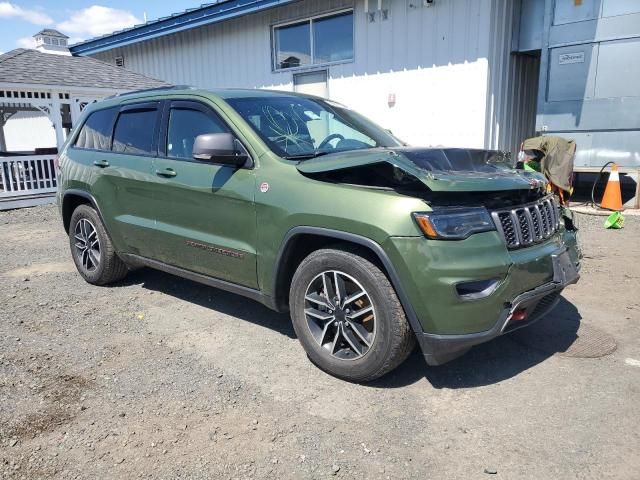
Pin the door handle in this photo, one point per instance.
(167, 172)
(101, 163)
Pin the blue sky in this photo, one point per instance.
(79, 19)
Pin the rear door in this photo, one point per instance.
(124, 186)
(205, 212)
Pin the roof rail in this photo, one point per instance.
(154, 89)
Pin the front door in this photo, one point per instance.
(205, 213)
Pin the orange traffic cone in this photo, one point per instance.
(612, 198)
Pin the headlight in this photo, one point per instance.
(454, 223)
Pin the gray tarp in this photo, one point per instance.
(557, 158)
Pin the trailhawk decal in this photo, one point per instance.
(218, 250)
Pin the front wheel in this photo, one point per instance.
(348, 316)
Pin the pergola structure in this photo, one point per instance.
(41, 98)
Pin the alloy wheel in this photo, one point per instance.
(87, 244)
(340, 315)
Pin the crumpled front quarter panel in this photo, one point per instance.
(286, 199)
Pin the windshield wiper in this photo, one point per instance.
(307, 156)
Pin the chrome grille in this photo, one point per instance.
(525, 225)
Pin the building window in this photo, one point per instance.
(314, 41)
(293, 45)
(333, 38)
(119, 61)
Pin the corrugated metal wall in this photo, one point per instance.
(445, 64)
(591, 79)
(519, 118)
(234, 53)
(512, 85)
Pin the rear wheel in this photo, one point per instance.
(348, 316)
(92, 250)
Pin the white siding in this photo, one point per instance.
(435, 60)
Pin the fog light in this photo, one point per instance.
(519, 315)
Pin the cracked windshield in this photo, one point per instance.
(299, 128)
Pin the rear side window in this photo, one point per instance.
(134, 132)
(96, 131)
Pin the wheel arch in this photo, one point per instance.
(71, 200)
(301, 241)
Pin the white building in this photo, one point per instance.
(434, 72)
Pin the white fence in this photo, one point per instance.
(28, 175)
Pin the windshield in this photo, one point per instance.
(299, 127)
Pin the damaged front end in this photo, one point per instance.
(471, 190)
(441, 177)
(445, 179)
(497, 248)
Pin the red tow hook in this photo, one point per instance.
(519, 315)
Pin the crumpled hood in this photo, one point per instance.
(440, 169)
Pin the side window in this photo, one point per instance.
(185, 125)
(134, 132)
(96, 131)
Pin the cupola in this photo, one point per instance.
(52, 41)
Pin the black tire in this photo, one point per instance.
(393, 340)
(110, 268)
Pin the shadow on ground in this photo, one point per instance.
(212, 298)
(489, 363)
(497, 360)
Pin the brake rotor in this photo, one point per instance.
(367, 320)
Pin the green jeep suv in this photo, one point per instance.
(308, 207)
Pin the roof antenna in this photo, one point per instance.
(145, 16)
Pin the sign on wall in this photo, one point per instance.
(567, 58)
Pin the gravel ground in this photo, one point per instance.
(160, 377)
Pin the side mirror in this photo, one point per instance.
(219, 148)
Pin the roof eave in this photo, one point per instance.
(61, 88)
(215, 13)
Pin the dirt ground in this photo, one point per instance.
(160, 377)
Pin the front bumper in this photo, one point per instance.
(447, 325)
(439, 349)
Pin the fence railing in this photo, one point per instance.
(27, 175)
